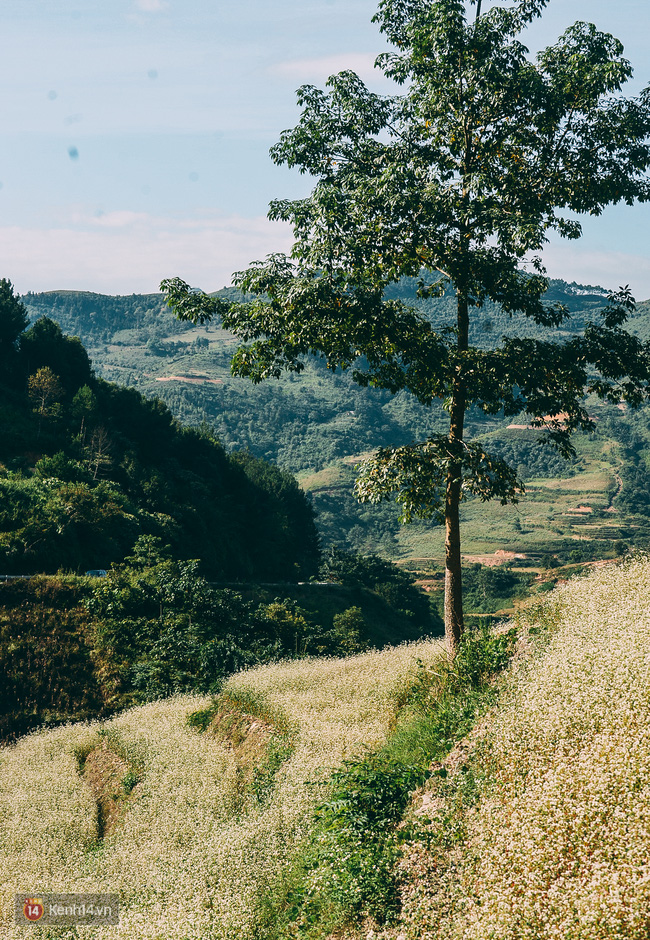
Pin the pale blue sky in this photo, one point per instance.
(135, 135)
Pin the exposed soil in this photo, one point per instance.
(107, 775)
(247, 736)
(500, 557)
(192, 380)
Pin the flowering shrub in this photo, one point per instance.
(187, 859)
(546, 833)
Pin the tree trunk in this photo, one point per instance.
(454, 623)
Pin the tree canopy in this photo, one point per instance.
(458, 181)
(13, 318)
(86, 466)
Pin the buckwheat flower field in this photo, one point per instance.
(187, 859)
(557, 843)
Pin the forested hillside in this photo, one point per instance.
(202, 550)
(302, 423)
(317, 425)
(88, 466)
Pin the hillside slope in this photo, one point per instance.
(551, 806)
(194, 851)
(319, 423)
(536, 826)
(87, 466)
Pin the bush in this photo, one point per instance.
(349, 628)
(347, 871)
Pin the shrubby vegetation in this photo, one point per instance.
(488, 589)
(46, 656)
(347, 872)
(386, 580)
(75, 648)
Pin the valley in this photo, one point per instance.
(319, 426)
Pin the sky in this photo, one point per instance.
(135, 136)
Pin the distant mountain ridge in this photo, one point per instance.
(96, 317)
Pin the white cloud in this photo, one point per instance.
(151, 6)
(319, 69)
(131, 252)
(609, 269)
(125, 252)
(122, 218)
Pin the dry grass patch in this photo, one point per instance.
(113, 784)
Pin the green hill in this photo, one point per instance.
(201, 551)
(318, 424)
(88, 466)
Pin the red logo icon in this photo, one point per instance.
(33, 908)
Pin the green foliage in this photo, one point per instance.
(319, 419)
(161, 630)
(148, 551)
(96, 317)
(483, 654)
(456, 182)
(250, 702)
(109, 466)
(394, 585)
(189, 303)
(349, 628)
(154, 627)
(545, 586)
(130, 779)
(418, 474)
(200, 720)
(279, 750)
(292, 629)
(72, 523)
(44, 346)
(63, 468)
(275, 504)
(13, 319)
(348, 868)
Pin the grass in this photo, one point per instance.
(531, 819)
(347, 868)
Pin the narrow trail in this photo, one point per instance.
(619, 483)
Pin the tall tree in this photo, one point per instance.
(45, 344)
(46, 392)
(13, 318)
(456, 181)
